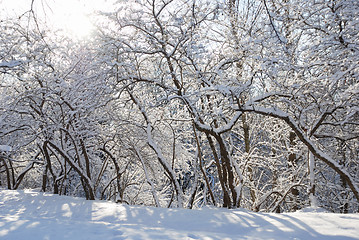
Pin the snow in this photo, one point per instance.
(5, 148)
(10, 64)
(33, 215)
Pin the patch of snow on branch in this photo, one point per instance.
(5, 148)
(10, 64)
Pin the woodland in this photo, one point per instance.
(187, 103)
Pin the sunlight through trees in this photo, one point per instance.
(184, 103)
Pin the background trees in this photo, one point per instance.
(188, 103)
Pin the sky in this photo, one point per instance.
(69, 15)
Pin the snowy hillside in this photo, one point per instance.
(33, 215)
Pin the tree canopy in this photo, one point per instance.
(187, 103)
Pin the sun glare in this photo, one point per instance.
(72, 17)
(76, 24)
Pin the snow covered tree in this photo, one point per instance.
(182, 103)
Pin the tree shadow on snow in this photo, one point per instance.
(34, 215)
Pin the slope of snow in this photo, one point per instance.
(33, 215)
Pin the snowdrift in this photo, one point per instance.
(32, 215)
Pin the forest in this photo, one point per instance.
(187, 103)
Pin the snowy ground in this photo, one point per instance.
(33, 215)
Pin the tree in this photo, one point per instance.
(187, 103)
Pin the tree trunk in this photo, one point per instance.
(7, 173)
(87, 181)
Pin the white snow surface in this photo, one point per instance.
(34, 215)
